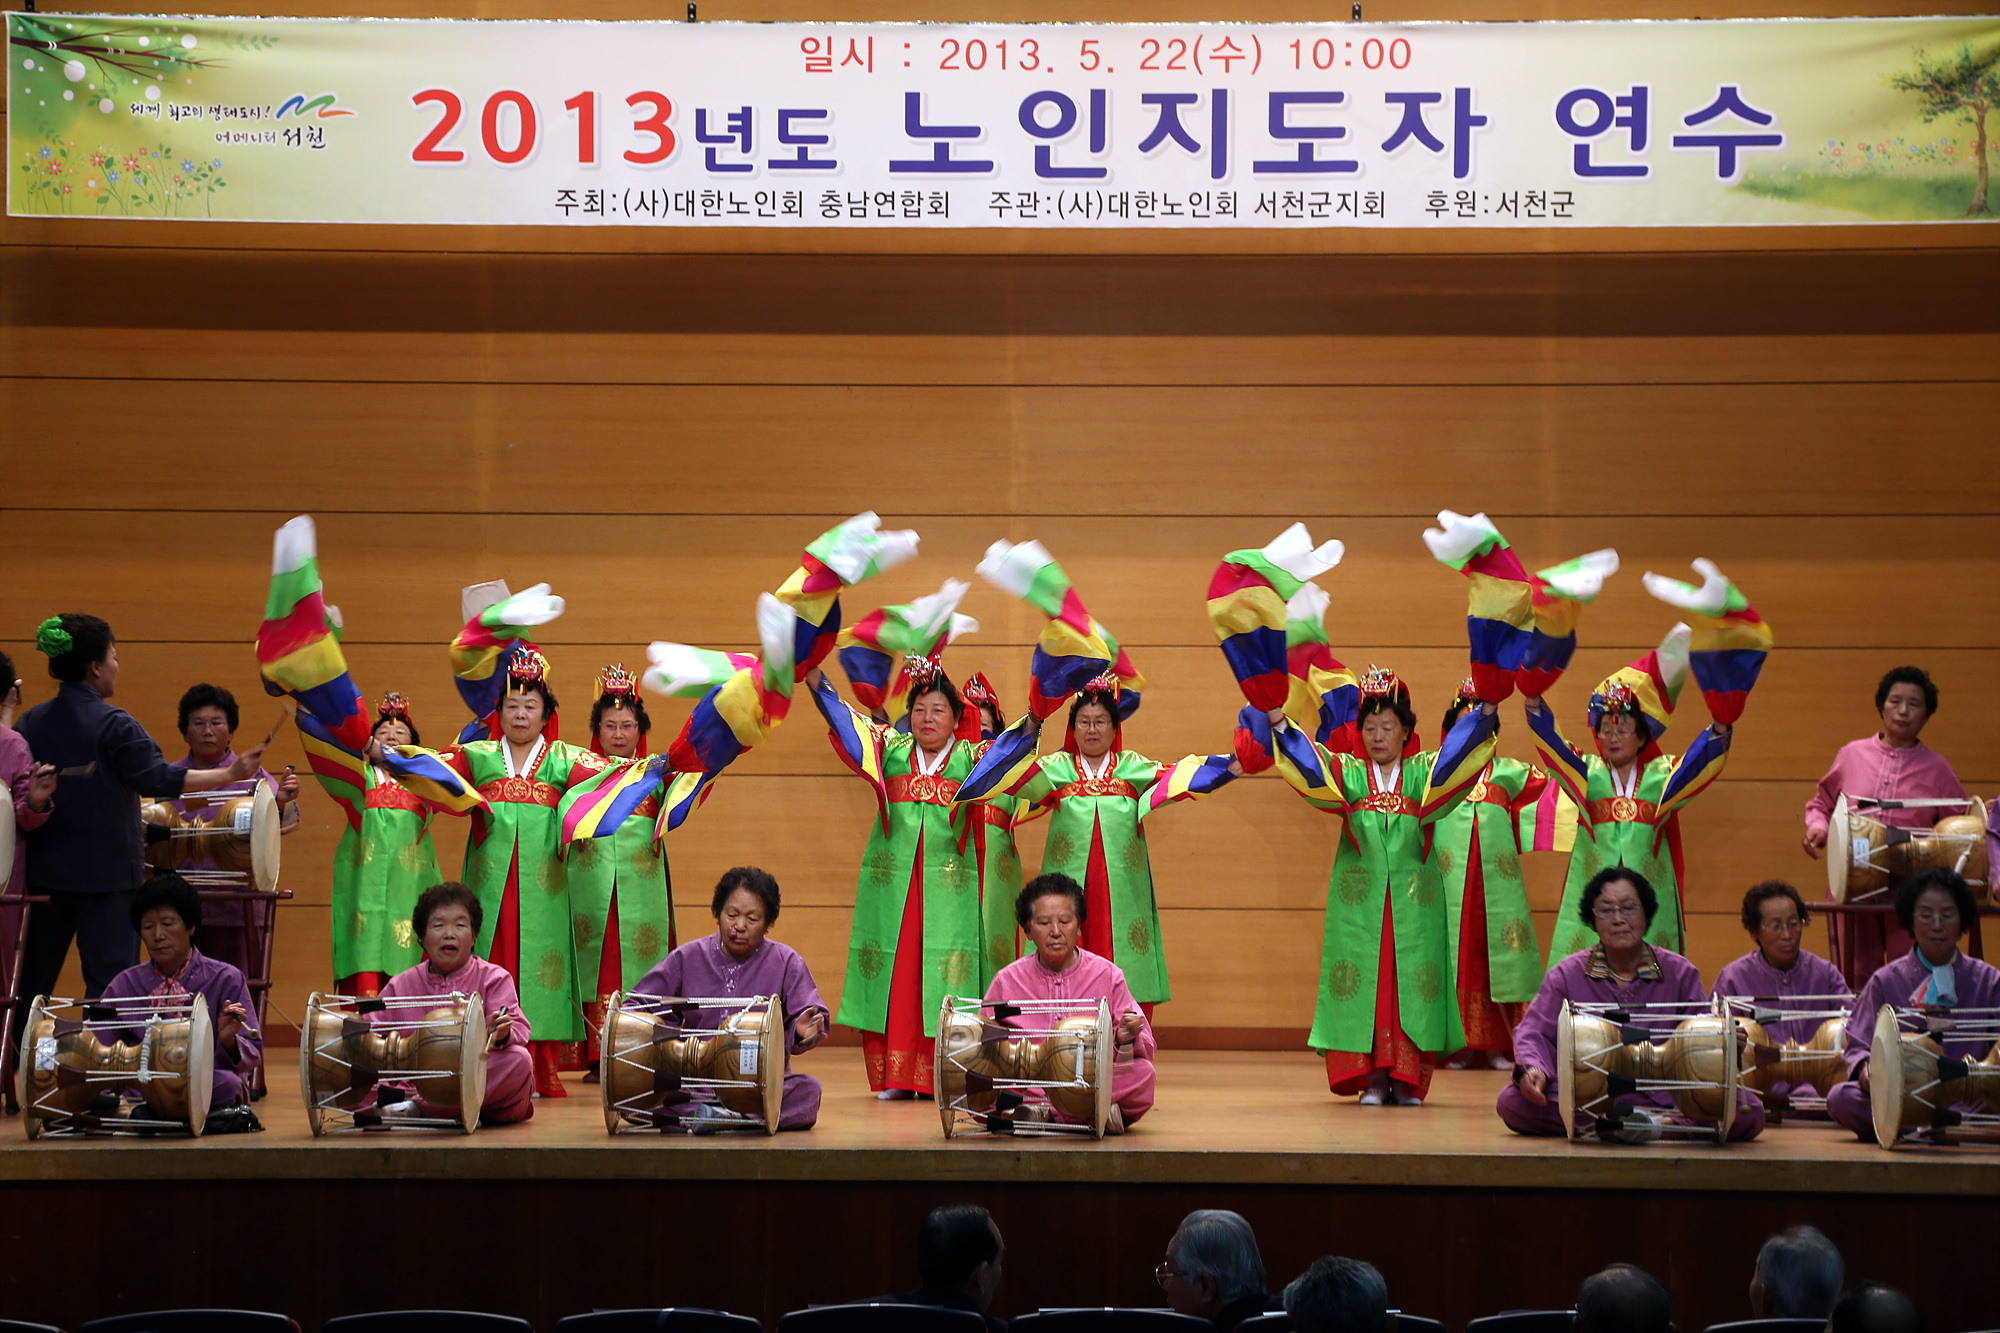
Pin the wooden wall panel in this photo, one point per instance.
(1241, 451)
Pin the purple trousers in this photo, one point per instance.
(1524, 1117)
(510, 1087)
(798, 1108)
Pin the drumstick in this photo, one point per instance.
(284, 715)
(78, 770)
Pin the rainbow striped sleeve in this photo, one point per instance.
(1544, 817)
(1071, 651)
(1189, 778)
(1006, 763)
(856, 740)
(298, 643)
(599, 806)
(685, 794)
(341, 773)
(1500, 612)
(426, 776)
(1324, 694)
(480, 652)
(1694, 770)
(1561, 593)
(1247, 599)
(1313, 772)
(1730, 640)
(1563, 762)
(1461, 757)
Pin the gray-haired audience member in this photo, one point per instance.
(1799, 1272)
(1623, 1299)
(1339, 1295)
(1875, 1307)
(1213, 1269)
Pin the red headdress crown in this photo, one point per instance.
(393, 705)
(1468, 693)
(923, 672)
(1106, 684)
(978, 690)
(1618, 697)
(528, 667)
(1380, 681)
(615, 680)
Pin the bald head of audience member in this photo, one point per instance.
(1798, 1276)
(1623, 1299)
(1875, 1307)
(1339, 1295)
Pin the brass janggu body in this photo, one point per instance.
(1820, 1061)
(65, 1063)
(1866, 856)
(742, 1063)
(1697, 1052)
(1064, 1062)
(340, 1045)
(196, 839)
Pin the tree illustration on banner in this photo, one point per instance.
(1963, 87)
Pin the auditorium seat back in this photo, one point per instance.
(194, 1321)
(676, 1319)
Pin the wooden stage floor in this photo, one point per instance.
(1222, 1118)
(555, 1217)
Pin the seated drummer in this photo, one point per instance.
(1780, 970)
(740, 960)
(166, 911)
(447, 919)
(1935, 906)
(1051, 909)
(1623, 970)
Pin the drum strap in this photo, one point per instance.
(665, 1082)
(360, 1078)
(1621, 1085)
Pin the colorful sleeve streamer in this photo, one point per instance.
(479, 654)
(1323, 695)
(869, 647)
(1461, 757)
(599, 807)
(1071, 651)
(298, 645)
(1697, 767)
(1561, 593)
(1563, 762)
(1007, 765)
(797, 628)
(1545, 817)
(1500, 613)
(1187, 779)
(1246, 606)
(856, 741)
(1730, 639)
(342, 773)
(1312, 771)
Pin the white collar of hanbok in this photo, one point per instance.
(1626, 783)
(1104, 762)
(534, 756)
(923, 762)
(1386, 779)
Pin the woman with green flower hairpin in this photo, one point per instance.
(87, 857)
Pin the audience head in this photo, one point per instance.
(1339, 1295)
(958, 1247)
(1798, 1276)
(1623, 1299)
(1875, 1307)
(1212, 1261)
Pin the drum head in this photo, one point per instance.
(305, 1063)
(1885, 1077)
(201, 1064)
(945, 1083)
(1732, 1076)
(607, 1050)
(771, 1044)
(472, 1036)
(36, 1014)
(266, 830)
(1101, 1075)
(1839, 849)
(1565, 1075)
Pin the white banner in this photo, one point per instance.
(1048, 125)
